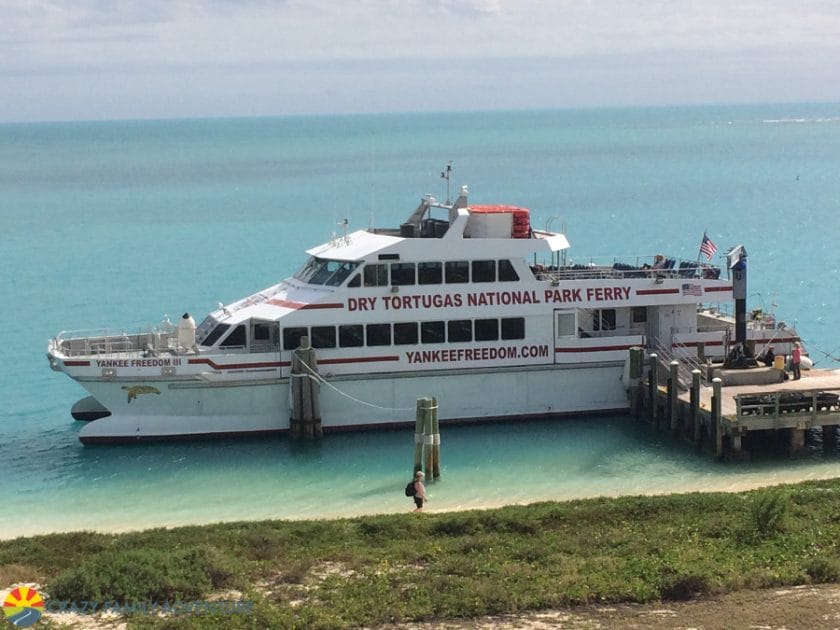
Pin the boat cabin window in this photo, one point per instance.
(566, 324)
(433, 332)
(214, 336)
(402, 273)
(323, 336)
(506, 272)
(379, 334)
(603, 319)
(324, 271)
(236, 339)
(263, 336)
(340, 274)
(459, 330)
(291, 337)
(484, 271)
(638, 314)
(409, 333)
(262, 332)
(430, 273)
(355, 281)
(351, 336)
(204, 329)
(486, 329)
(405, 334)
(457, 271)
(513, 328)
(376, 275)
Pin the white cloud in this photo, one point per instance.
(70, 47)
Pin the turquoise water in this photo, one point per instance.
(119, 223)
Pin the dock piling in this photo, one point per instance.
(435, 438)
(653, 387)
(636, 372)
(305, 419)
(673, 396)
(427, 438)
(418, 438)
(694, 404)
(717, 429)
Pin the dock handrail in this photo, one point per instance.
(664, 357)
(806, 402)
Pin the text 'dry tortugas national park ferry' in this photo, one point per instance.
(470, 304)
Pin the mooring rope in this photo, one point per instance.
(320, 379)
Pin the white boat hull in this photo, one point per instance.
(189, 409)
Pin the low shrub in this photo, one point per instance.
(823, 570)
(767, 512)
(133, 575)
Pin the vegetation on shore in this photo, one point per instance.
(379, 569)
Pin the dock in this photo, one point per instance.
(760, 406)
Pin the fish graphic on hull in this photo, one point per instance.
(136, 390)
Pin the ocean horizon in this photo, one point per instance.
(121, 223)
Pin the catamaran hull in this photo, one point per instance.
(163, 410)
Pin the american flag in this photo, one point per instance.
(692, 289)
(707, 248)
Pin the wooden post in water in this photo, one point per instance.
(829, 437)
(305, 421)
(717, 425)
(418, 438)
(637, 365)
(695, 404)
(435, 438)
(653, 387)
(428, 440)
(673, 396)
(701, 351)
(295, 427)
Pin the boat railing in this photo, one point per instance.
(152, 340)
(642, 267)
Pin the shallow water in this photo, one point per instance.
(118, 223)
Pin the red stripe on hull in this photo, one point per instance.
(304, 305)
(76, 363)
(712, 289)
(358, 360)
(598, 349)
(238, 366)
(656, 291)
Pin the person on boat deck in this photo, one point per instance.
(796, 360)
(659, 261)
(419, 491)
(769, 356)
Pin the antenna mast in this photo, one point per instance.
(445, 175)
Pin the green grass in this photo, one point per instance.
(378, 569)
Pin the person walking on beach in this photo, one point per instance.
(419, 491)
(795, 360)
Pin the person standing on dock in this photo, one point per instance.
(419, 491)
(796, 360)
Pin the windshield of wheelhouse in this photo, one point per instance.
(325, 271)
(204, 328)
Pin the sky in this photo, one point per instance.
(116, 59)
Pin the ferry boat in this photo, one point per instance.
(468, 303)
